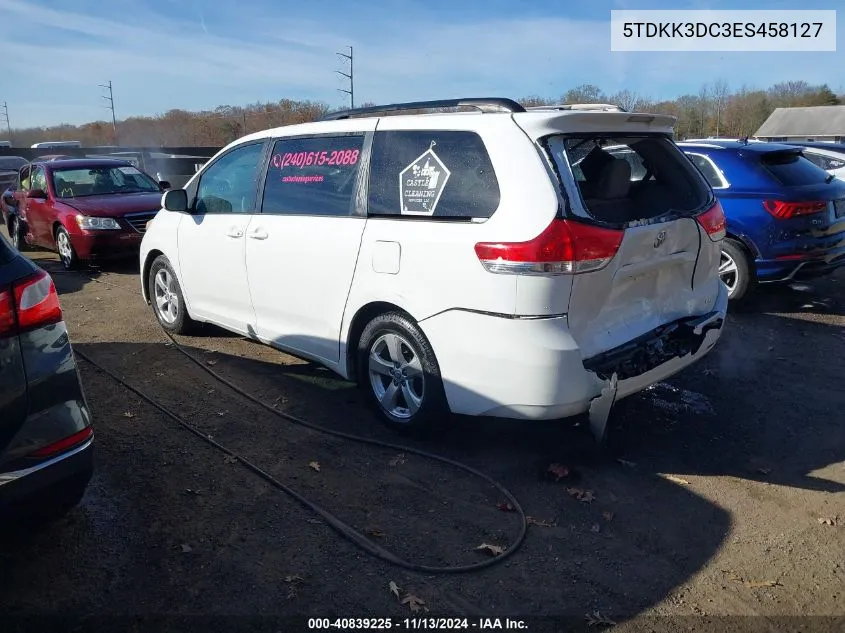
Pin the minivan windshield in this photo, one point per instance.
(97, 181)
(623, 178)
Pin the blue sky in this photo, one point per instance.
(194, 54)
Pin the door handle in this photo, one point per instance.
(235, 232)
(259, 234)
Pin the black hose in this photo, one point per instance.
(344, 529)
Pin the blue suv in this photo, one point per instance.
(786, 216)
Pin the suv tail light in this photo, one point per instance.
(783, 210)
(30, 303)
(64, 444)
(713, 222)
(564, 247)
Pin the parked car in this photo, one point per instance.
(45, 425)
(828, 156)
(785, 215)
(9, 167)
(452, 262)
(85, 209)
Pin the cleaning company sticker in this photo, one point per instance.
(421, 183)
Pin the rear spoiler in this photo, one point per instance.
(540, 123)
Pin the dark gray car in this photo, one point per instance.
(45, 425)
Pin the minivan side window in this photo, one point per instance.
(228, 186)
(313, 176)
(431, 173)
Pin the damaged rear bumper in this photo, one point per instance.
(651, 350)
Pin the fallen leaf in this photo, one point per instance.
(559, 471)
(493, 550)
(584, 496)
(313, 520)
(375, 532)
(764, 471)
(762, 583)
(414, 603)
(186, 548)
(128, 414)
(294, 579)
(829, 520)
(211, 362)
(607, 515)
(596, 528)
(625, 462)
(190, 491)
(396, 461)
(222, 413)
(394, 589)
(230, 459)
(539, 522)
(505, 507)
(210, 391)
(677, 480)
(597, 619)
(314, 466)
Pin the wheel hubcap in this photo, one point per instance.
(166, 300)
(728, 272)
(63, 244)
(396, 376)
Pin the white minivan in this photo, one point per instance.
(495, 262)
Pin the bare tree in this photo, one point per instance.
(721, 93)
(704, 107)
(626, 99)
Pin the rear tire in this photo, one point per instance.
(67, 254)
(398, 370)
(736, 270)
(167, 298)
(16, 234)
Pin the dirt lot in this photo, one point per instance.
(708, 502)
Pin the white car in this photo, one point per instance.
(453, 261)
(833, 162)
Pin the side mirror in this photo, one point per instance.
(164, 185)
(38, 194)
(175, 200)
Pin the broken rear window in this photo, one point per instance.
(628, 178)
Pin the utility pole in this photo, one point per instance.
(349, 76)
(110, 99)
(8, 125)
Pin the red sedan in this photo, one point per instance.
(84, 209)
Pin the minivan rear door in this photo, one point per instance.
(665, 266)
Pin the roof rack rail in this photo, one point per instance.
(492, 104)
(581, 106)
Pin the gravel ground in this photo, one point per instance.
(709, 501)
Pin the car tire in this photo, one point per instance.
(67, 253)
(397, 368)
(167, 298)
(16, 233)
(736, 270)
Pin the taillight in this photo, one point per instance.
(713, 222)
(32, 302)
(564, 247)
(7, 313)
(65, 443)
(783, 210)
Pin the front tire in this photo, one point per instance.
(167, 298)
(397, 368)
(67, 254)
(736, 270)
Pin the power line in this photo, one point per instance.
(8, 125)
(110, 99)
(349, 76)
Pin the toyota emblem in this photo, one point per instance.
(661, 237)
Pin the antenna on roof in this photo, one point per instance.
(744, 140)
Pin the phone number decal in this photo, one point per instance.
(343, 157)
